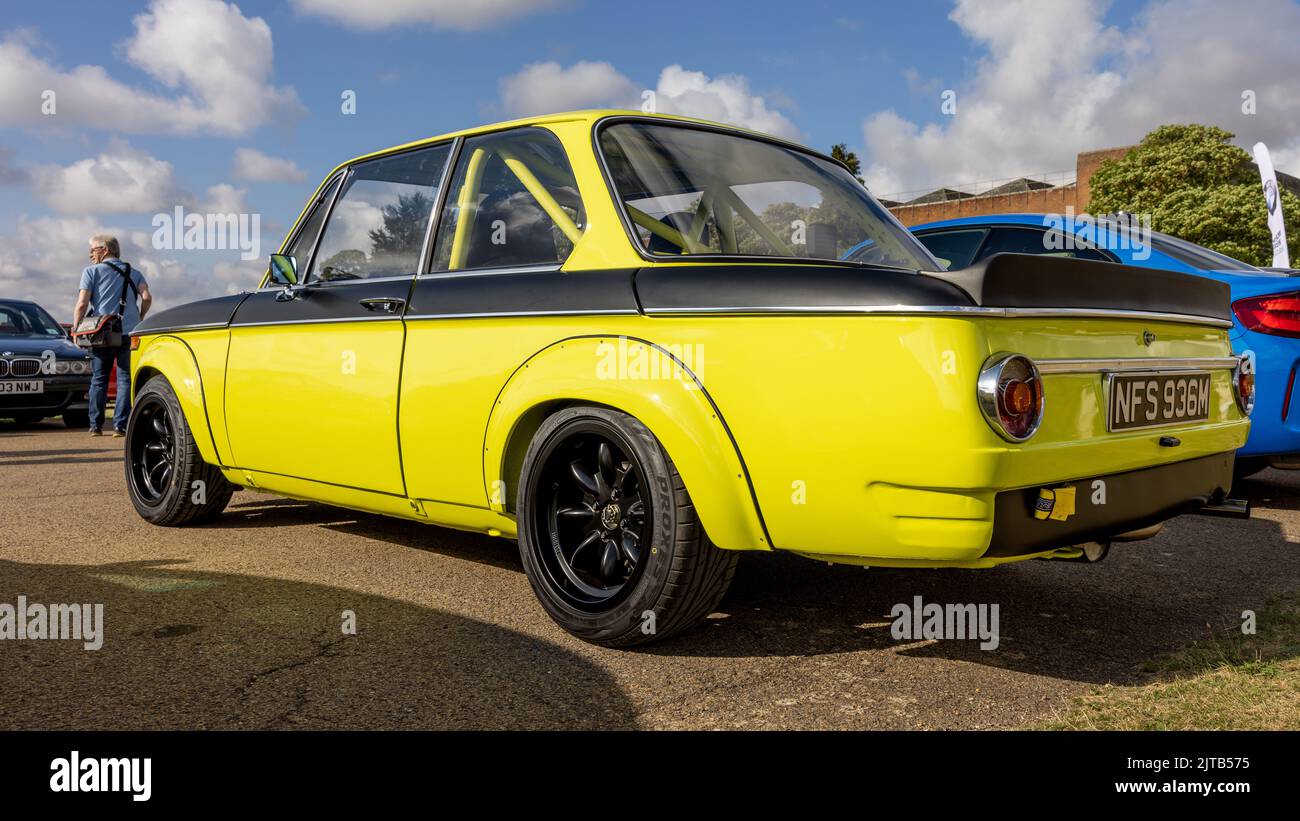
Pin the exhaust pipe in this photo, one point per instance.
(1227, 508)
(1140, 534)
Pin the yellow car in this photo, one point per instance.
(631, 343)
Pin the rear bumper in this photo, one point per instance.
(1109, 505)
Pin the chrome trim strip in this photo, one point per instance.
(1197, 363)
(956, 310)
(330, 321)
(199, 326)
(498, 314)
(487, 272)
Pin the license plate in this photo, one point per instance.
(22, 386)
(1148, 400)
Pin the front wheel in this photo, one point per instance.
(166, 477)
(76, 419)
(609, 538)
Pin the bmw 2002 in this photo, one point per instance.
(629, 342)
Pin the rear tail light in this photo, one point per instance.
(1271, 314)
(1243, 382)
(1011, 396)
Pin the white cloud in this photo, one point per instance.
(216, 62)
(449, 14)
(121, 180)
(724, 99)
(225, 199)
(254, 166)
(549, 87)
(544, 88)
(45, 258)
(1055, 80)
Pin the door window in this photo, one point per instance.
(378, 225)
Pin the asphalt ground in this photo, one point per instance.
(239, 624)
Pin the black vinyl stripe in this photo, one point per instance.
(524, 292)
(332, 302)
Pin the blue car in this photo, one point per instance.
(1265, 302)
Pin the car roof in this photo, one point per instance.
(984, 219)
(589, 116)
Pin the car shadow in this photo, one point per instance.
(474, 547)
(1092, 623)
(190, 649)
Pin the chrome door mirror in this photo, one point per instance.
(284, 270)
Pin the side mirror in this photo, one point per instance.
(284, 270)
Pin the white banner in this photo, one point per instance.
(1273, 199)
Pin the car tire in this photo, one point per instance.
(1247, 466)
(77, 419)
(569, 495)
(166, 477)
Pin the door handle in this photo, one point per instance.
(383, 305)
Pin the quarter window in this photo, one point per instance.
(513, 202)
(378, 225)
(300, 248)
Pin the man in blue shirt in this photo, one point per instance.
(101, 294)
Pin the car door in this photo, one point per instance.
(313, 372)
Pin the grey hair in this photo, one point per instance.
(109, 242)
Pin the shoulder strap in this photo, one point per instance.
(126, 275)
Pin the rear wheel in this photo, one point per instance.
(608, 535)
(1248, 466)
(167, 479)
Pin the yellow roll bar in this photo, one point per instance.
(467, 205)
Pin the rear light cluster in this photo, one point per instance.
(1277, 314)
(1243, 382)
(1011, 396)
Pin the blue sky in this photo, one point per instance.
(1035, 83)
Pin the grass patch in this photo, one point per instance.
(1229, 681)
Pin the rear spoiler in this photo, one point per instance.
(1033, 281)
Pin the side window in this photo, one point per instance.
(300, 247)
(954, 249)
(378, 225)
(1039, 241)
(513, 201)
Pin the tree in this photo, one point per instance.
(1195, 184)
(404, 225)
(841, 152)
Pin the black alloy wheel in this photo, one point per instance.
(596, 518)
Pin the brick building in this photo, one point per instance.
(1016, 196)
(1023, 195)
